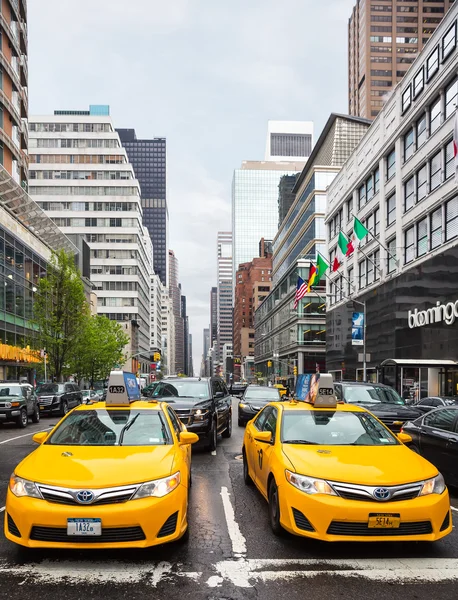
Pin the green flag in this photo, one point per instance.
(359, 229)
(342, 242)
(322, 265)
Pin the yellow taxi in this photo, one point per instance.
(281, 388)
(334, 472)
(113, 474)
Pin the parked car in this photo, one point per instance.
(435, 436)
(58, 397)
(428, 404)
(254, 398)
(18, 402)
(237, 388)
(91, 396)
(148, 390)
(381, 400)
(203, 404)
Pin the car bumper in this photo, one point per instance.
(334, 519)
(246, 414)
(132, 524)
(9, 414)
(49, 408)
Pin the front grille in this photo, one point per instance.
(109, 535)
(301, 521)
(184, 415)
(409, 495)
(12, 527)
(169, 526)
(361, 529)
(45, 401)
(71, 501)
(367, 493)
(446, 522)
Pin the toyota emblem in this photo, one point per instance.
(381, 494)
(85, 496)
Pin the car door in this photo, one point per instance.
(218, 398)
(250, 444)
(265, 450)
(227, 403)
(438, 428)
(178, 427)
(69, 395)
(27, 394)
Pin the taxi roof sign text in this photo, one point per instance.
(122, 388)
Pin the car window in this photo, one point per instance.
(68, 388)
(261, 418)
(338, 390)
(430, 402)
(267, 393)
(11, 390)
(48, 388)
(270, 424)
(441, 419)
(370, 394)
(182, 388)
(176, 423)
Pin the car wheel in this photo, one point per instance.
(36, 415)
(23, 419)
(63, 408)
(274, 509)
(246, 474)
(241, 423)
(211, 446)
(228, 431)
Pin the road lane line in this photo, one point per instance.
(453, 508)
(25, 435)
(237, 539)
(2, 508)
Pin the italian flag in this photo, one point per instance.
(345, 247)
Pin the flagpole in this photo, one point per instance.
(379, 243)
(371, 261)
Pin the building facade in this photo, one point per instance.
(205, 370)
(213, 316)
(80, 176)
(174, 290)
(284, 336)
(149, 159)
(168, 335)
(184, 317)
(286, 196)
(190, 370)
(384, 39)
(252, 286)
(224, 294)
(157, 290)
(400, 183)
(289, 140)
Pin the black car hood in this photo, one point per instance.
(259, 401)
(387, 409)
(182, 403)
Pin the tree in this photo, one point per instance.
(60, 311)
(99, 349)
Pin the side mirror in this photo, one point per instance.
(219, 395)
(39, 438)
(264, 436)
(187, 437)
(405, 438)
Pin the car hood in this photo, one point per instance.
(365, 465)
(96, 466)
(386, 409)
(181, 403)
(259, 401)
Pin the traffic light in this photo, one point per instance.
(269, 363)
(295, 370)
(157, 356)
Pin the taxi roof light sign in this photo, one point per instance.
(122, 389)
(317, 389)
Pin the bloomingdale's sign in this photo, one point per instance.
(441, 312)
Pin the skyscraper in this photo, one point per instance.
(81, 177)
(286, 196)
(289, 140)
(184, 318)
(175, 295)
(213, 315)
(149, 160)
(225, 285)
(384, 39)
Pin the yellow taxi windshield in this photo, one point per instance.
(334, 428)
(105, 427)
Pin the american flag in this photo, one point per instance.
(301, 290)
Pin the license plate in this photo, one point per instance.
(84, 526)
(384, 521)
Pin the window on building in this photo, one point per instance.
(376, 260)
(449, 160)
(391, 260)
(432, 63)
(376, 180)
(435, 116)
(421, 131)
(451, 219)
(435, 171)
(349, 209)
(422, 237)
(350, 282)
(451, 93)
(408, 144)
(409, 193)
(362, 196)
(422, 183)
(370, 268)
(449, 41)
(362, 274)
(436, 228)
(369, 188)
(376, 222)
(390, 164)
(391, 209)
(409, 244)
(406, 98)
(418, 82)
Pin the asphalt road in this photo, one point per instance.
(231, 553)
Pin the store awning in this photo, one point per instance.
(415, 362)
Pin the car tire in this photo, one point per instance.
(241, 423)
(23, 419)
(211, 446)
(63, 408)
(274, 510)
(36, 415)
(228, 431)
(246, 474)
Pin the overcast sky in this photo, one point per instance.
(205, 74)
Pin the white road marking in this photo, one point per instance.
(2, 508)
(25, 435)
(237, 539)
(213, 453)
(453, 508)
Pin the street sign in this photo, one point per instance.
(361, 357)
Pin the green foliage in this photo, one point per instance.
(99, 348)
(60, 311)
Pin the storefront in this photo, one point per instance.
(411, 331)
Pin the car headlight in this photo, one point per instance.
(199, 414)
(23, 487)
(309, 485)
(8, 405)
(159, 487)
(241, 405)
(436, 485)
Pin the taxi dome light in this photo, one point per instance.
(316, 389)
(122, 388)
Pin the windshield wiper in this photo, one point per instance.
(306, 442)
(126, 427)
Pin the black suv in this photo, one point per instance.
(381, 400)
(202, 404)
(18, 402)
(58, 397)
